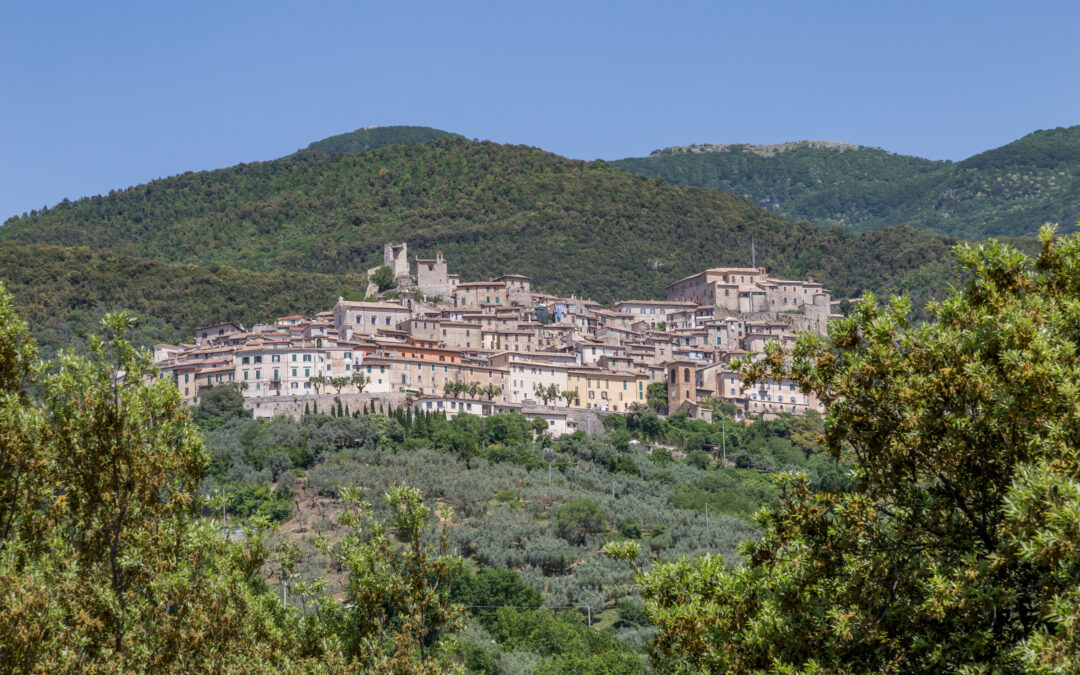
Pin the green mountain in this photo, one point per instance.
(1009, 191)
(63, 293)
(573, 226)
(363, 140)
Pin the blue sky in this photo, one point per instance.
(107, 95)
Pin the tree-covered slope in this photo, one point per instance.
(1009, 191)
(64, 292)
(573, 226)
(370, 138)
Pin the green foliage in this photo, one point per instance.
(953, 549)
(572, 226)
(398, 601)
(219, 405)
(363, 140)
(567, 646)
(656, 395)
(99, 545)
(64, 293)
(999, 192)
(733, 491)
(578, 518)
(384, 278)
(489, 590)
(630, 529)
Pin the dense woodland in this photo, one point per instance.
(575, 227)
(64, 293)
(363, 140)
(1008, 191)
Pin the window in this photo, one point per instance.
(307, 372)
(294, 372)
(387, 321)
(246, 360)
(276, 376)
(686, 375)
(258, 374)
(294, 385)
(258, 359)
(294, 357)
(187, 377)
(245, 374)
(275, 358)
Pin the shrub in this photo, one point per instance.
(578, 518)
(630, 529)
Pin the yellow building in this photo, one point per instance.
(606, 389)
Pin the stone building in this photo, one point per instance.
(432, 279)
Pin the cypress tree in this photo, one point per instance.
(306, 410)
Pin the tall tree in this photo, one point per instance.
(955, 548)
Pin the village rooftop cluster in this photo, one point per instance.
(482, 347)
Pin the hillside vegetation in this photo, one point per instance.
(573, 226)
(370, 138)
(64, 292)
(1007, 191)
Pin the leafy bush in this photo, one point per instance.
(578, 518)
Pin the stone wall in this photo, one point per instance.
(293, 406)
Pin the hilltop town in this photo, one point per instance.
(438, 343)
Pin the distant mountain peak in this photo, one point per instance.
(370, 138)
(760, 150)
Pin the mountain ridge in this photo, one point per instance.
(760, 150)
(575, 227)
(371, 138)
(1005, 191)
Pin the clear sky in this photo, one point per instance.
(100, 95)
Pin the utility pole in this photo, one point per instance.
(723, 435)
(753, 254)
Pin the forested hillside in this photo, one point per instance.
(1008, 191)
(573, 226)
(64, 292)
(370, 138)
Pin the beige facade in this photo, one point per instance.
(607, 390)
(368, 318)
(526, 374)
(455, 334)
(770, 397)
(654, 312)
(421, 377)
